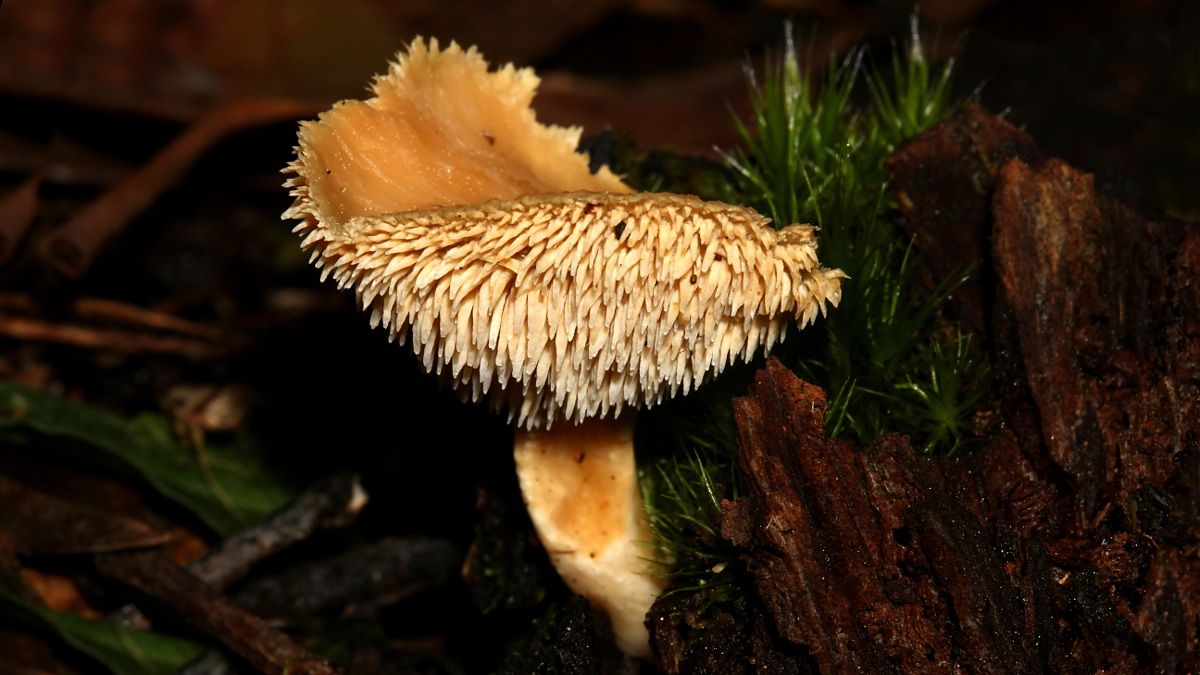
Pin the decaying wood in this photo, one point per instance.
(942, 179)
(697, 633)
(1105, 306)
(865, 557)
(1106, 316)
(882, 560)
(202, 606)
(1072, 542)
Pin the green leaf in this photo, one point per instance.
(124, 651)
(226, 486)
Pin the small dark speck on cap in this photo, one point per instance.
(489, 138)
(692, 279)
(718, 257)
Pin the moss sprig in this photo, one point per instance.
(813, 150)
(811, 153)
(683, 488)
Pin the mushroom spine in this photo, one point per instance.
(571, 306)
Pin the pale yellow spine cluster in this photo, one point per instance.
(569, 306)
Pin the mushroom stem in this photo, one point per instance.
(580, 485)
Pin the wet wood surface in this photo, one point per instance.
(1071, 542)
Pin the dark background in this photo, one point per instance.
(89, 91)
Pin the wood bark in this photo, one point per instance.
(1071, 543)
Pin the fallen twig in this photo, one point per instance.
(109, 325)
(866, 558)
(115, 311)
(34, 522)
(102, 309)
(17, 212)
(361, 580)
(334, 502)
(204, 607)
(212, 663)
(107, 339)
(72, 247)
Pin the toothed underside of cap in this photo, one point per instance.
(440, 130)
(479, 234)
(570, 306)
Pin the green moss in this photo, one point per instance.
(684, 486)
(813, 151)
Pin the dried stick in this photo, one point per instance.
(107, 339)
(379, 574)
(102, 309)
(72, 247)
(334, 502)
(33, 522)
(211, 663)
(204, 607)
(115, 311)
(17, 212)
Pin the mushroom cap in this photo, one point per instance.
(568, 306)
(439, 130)
(543, 288)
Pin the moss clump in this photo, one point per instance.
(813, 151)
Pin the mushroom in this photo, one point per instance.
(521, 278)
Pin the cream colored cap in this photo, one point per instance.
(468, 228)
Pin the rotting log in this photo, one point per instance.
(943, 181)
(883, 560)
(1104, 321)
(1071, 542)
(866, 559)
(1104, 305)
